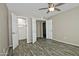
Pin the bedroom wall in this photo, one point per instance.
(66, 26)
(39, 28)
(4, 42)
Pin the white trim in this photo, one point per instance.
(67, 43)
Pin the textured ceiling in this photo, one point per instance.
(31, 9)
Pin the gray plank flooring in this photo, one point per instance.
(10, 52)
(45, 47)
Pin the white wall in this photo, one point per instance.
(49, 29)
(66, 26)
(29, 30)
(39, 28)
(4, 42)
(34, 34)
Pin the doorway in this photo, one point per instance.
(44, 29)
(22, 28)
(41, 29)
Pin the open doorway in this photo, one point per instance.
(22, 28)
(44, 29)
(41, 29)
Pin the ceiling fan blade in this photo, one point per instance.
(57, 9)
(59, 4)
(43, 8)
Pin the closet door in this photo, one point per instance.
(15, 37)
(49, 30)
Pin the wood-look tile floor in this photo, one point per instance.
(45, 47)
(10, 52)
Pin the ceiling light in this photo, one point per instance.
(51, 9)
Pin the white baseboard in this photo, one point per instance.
(67, 43)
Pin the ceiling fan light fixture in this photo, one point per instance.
(51, 9)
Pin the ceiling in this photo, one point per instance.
(31, 9)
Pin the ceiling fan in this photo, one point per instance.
(52, 7)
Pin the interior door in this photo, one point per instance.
(34, 30)
(49, 30)
(15, 37)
